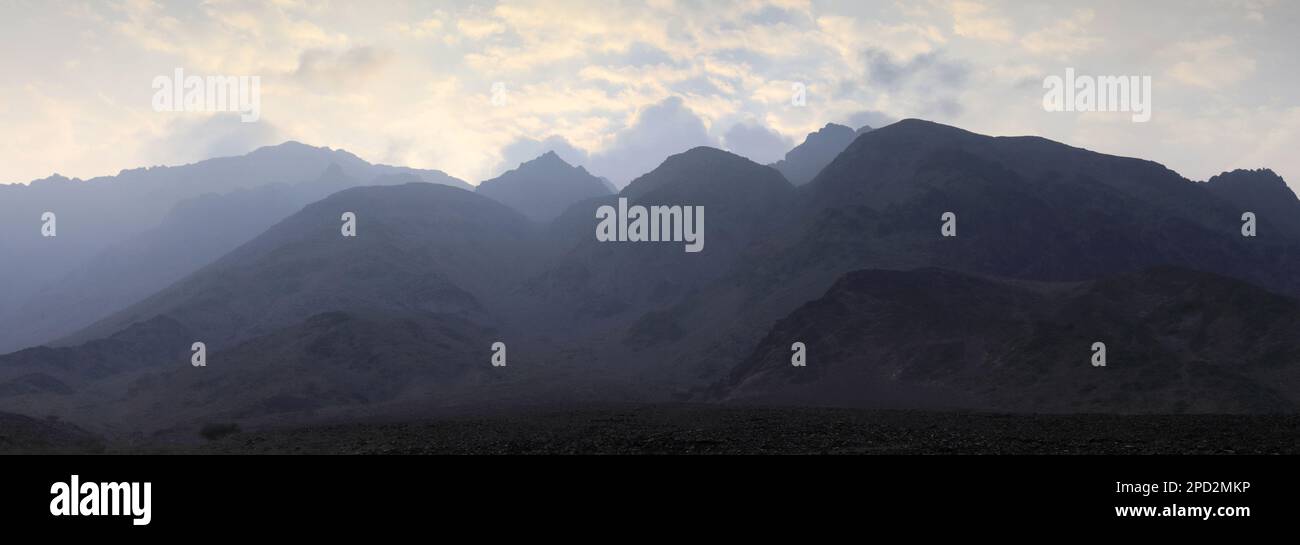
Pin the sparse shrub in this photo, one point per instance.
(215, 431)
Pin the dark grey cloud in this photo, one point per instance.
(930, 67)
(931, 81)
(332, 68)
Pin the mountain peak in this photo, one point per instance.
(544, 187)
(1261, 178)
(706, 151)
(1261, 191)
(289, 145)
(917, 124)
(700, 156)
(818, 149)
(549, 159)
(832, 127)
(705, 166)
(55, 178)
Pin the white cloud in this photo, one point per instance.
(1066, 37)
(975, 20)
(1212, 64)
(403, 82)
(420, 29)
(658, 131)
(479, 28)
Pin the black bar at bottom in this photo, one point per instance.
(323, 494)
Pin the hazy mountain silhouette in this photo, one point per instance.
(1176, 341)
(1050, 240)
(611, 281)
(194, 233)
(818, 149)
(107, 218)
(543, 188)
(419, 247)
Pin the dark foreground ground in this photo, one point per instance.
(744, 430)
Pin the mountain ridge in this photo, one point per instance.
(543, 188)
(1045, 231)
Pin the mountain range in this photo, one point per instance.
(123, 237)
(1055, 248)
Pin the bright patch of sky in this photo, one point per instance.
(618, 86)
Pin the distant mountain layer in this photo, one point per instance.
(544, 188)
(802, 163)
(592, 284)
(122, 237)
(194, 234)
(419, 247)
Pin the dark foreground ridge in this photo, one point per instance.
(705, 429)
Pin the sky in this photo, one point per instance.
(474, 88)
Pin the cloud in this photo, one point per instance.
(973, 20)
(408, 83)
(194, 137)
(330, 69)
(758, 143)
(420, 29)
(1211, 64)
(1067, 37)
(527, 149)
(479, 28)
(891, 74)
(1253, 10)
(927, 84)
(871, 119)
(660, 130)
